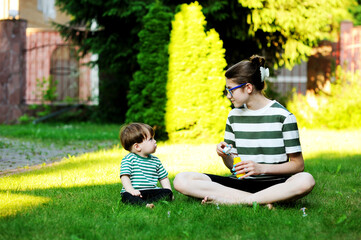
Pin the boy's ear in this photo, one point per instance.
(137, 147)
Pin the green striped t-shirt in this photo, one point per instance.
(144, 172)
(264, 136)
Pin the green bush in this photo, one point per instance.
(338, 110)
(147, 94)
(196, 108)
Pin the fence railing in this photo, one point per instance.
(50, 62)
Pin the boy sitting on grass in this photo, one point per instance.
(140, 171)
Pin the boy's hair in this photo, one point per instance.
(134, 133)
(248, 71)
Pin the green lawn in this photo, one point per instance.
(61, 133)
(79, 197)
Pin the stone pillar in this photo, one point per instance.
(12, 69)
(346, 42)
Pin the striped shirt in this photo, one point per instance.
(264, 136)
(144, 172)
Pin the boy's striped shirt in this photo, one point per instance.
(144, 173)
(266, 135)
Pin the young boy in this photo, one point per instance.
(140, 171)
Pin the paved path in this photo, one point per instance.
(19, 155)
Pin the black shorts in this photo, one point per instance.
(247, 185)
(148, 196)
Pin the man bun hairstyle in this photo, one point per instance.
(134, 133)
(248, 71)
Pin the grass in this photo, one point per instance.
(79, 198)
(62, 133)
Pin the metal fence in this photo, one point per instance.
(53, 71)
(289, 80)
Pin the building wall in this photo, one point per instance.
(28, 9)
(38, 13)
(6, 6)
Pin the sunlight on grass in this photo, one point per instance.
(87, 169)
(102, 167)
(99, 168)
(12, 204)
(346, 142)
(186, 157)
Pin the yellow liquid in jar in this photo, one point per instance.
(237, 160)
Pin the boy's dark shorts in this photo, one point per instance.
(148, 196)
(247, 185)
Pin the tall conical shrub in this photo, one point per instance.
(196, 107)
(147, 94)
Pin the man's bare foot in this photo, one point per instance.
(149, 205)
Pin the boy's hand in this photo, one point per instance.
(136, 193)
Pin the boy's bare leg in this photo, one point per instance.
(200, 186)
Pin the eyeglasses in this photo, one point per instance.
(230, 91)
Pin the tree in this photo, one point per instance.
(355, 10)
(115, 40)
(196, 108)
(293, 27)
(147, 94)
(283, 31)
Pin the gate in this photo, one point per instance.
(64, 69)
(52, 63)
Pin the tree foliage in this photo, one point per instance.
(355, 10)
(196, 108)
(283, 31)
(147, 94)
(115, 40)
(292, 27)
(116, 34)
